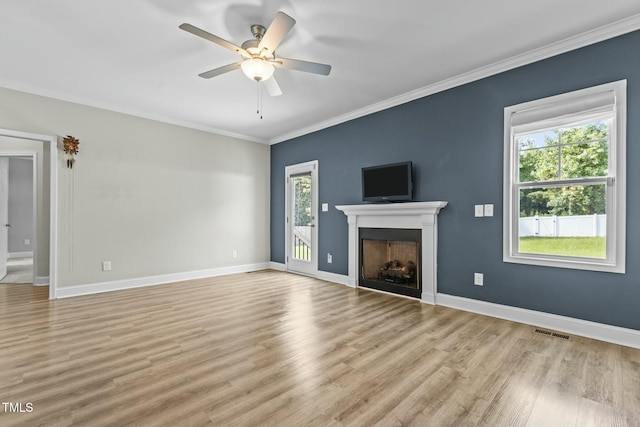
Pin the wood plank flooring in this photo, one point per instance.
(275, 349)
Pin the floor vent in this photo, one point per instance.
(552, 334)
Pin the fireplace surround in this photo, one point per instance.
(421, 216)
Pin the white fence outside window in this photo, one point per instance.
(564, 226)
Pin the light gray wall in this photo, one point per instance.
(150, 197)
(20, 204)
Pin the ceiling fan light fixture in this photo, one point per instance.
(257, 69)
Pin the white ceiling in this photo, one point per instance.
(130, 56)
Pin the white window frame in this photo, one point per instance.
(550, 113)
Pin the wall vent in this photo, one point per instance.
(552, 334)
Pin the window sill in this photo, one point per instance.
(575, 264)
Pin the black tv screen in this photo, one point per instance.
(387, 183)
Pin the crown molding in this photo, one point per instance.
(593, 36)
(590, 37)
(130, 112)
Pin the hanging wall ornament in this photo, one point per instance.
(70, 145)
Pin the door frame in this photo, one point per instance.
(313, 167)
(4, 208)
(34, 202)
(52, 140)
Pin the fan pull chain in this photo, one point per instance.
(259, 100)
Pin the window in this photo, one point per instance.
(564, 180)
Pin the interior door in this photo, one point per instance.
(301, 220)
(4, 215)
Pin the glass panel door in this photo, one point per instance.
(302, 231)
(302, 217)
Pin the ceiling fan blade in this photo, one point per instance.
(220, 70)
(279, 28)
(273, 88)
(306, 66)
(215, 39)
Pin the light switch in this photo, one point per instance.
(488, 210)
(479, 210)
(325, 207)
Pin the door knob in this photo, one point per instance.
(7, 225)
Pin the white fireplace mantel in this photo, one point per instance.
(413, 215)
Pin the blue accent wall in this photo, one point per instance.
(455, 140)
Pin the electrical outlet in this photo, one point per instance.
(27, 241)
(234, 254)
(106, 265)
(488, 209)
(478, 279)
(329, 258)
(479, 211)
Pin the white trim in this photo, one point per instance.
(35, 165)
(411, 215)
(53, 225)
(129, 111)
(590, 37)
(117, 285)
(19, 254)
(393, 294)
(311, 167)
(279, 266)
(340, 279)
(611, 95)
(53, 199)
(587, 38)
(41, 281)
(403, 210)
(584, 328)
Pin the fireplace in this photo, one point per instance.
(390, 260)
(421, 216)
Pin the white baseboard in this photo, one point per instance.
(277, 266)
(598, 331)
(334, 277)
(393, 294)
(42, 280)
(322, 275)
(94, 288)
(20, 254)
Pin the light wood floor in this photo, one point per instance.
(274, 349)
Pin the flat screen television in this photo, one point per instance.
(387, 183)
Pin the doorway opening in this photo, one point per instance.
(301, 218)
(12, 142)
(18, 208)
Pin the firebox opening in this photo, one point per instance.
(390, 260)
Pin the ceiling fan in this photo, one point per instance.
(258, 54)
